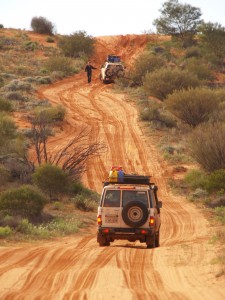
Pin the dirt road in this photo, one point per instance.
(75, 267)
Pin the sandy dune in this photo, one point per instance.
(76, 267)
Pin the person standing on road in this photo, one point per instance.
(89, 69)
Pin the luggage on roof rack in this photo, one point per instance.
(113, 58)
(131, 179)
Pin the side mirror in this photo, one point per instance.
(159, 204)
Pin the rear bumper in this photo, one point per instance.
(130, 234)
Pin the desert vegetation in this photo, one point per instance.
(181, 97)
(31, 205)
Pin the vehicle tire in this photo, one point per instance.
(150, 242)
(102, 241)
(120, 73)
(157, 244)
(135, 214)
(108, 72)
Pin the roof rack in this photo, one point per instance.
(131, 179)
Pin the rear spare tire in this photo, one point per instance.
(135, 214)
(108, 72)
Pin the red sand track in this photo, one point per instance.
(75, 267)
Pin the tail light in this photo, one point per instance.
(99, 220)
(151, 221)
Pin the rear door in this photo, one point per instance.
(111, 208)
(135, 214)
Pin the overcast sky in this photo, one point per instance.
(98, 17)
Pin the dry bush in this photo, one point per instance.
(198, 67)
(18, 85)
(163, 82)
(193, 52)
(62, 64)
(193, 106)
(207, 146)
(5, 105)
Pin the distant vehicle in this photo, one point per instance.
(129, 209)
(113, 68)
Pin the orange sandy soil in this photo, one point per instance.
(76, 267)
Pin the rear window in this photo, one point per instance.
(135, 196)
(112, 199)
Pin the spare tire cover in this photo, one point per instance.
(120, 73)
(135, 214)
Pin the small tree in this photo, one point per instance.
(51, 179)
(178, 20)
(163, 82)
(77, 44)
(42, 122)
(193, 106)
(207, 146)
(73, 157)
(42, 25)
(213, 37)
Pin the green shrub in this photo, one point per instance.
(5, 231)
(25, 201)
(11, 221)
(58, 205)
(48, 115)
(199, 68)
(42, 25)
(4, 175)
(163, 82)
(220, 214)
(154, 115)
(1, 26)
(44, 80)
(216, 181)
(81, 202)
(7, 129)
(193, 106)
(76, 188)
(207, 146)
(51, 180)
(18, 85)
(50, 39)
(193, 52)
(145, 63)
(196, 179)
(1, 82)
(199, 194)
(24, 227)
(216, 201)
(77, 44)
(5, 105)
(61, 64)
(15, 96)
(30, 46)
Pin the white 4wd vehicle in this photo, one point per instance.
(129, 210)
(111, 69)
